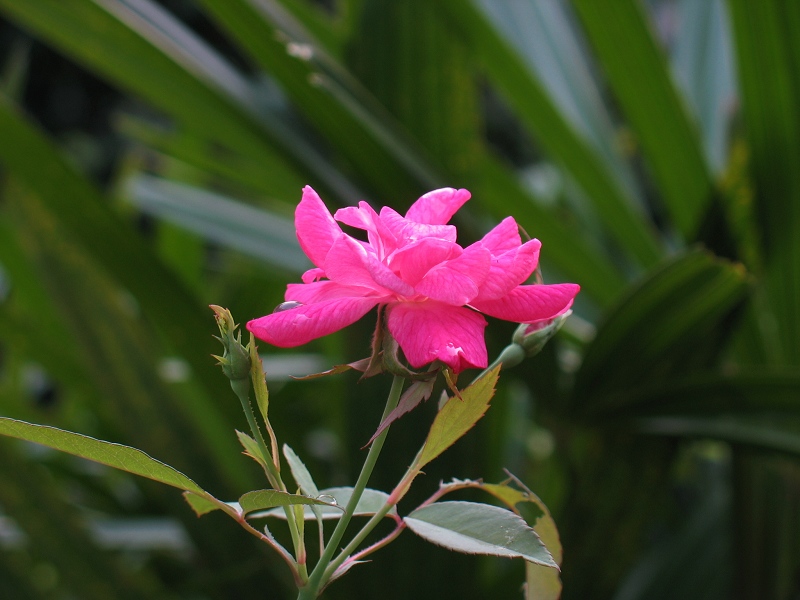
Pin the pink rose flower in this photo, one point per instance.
(433, 289)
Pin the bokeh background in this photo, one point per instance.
(151, 154)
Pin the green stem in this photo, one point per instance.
(317, 578)
(274, 478)
(509, 352)
(356, 541)
(272, 472)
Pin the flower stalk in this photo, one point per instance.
(241, 365)
(321, 573)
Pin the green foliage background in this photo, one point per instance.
(653, 147)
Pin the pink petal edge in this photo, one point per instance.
(316, 229)
(300, 325)
(438, 206)
(530, 303)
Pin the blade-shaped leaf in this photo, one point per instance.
(83, 211)
(738, 431)
(660, 322)
(327, 94)
(141, 47)
(458, 416)
(418, 67)
(499, 190)
(545, 36)
(639, 77)
(474, 528)
(767, 38)
(749, 391)
(118, 456)
(253, 231)
(539, 113)
(370, 503)
(702, 56)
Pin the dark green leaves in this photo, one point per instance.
(661, 323)
(550, 128)
(767, 36)
(639, 76)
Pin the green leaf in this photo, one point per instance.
(703, 60)
(552, 46)
(500, 192)
(474, 528)
(544, 119)
(767, 36)
(417, 66)
(542, 583)
(660, 322)
(263, 499)
(458, 416)
(59, 532)
(82, 210)
(327, 95)
(300, 473)
(253, 231)
(251, 448)
(200, 504)
(141, 47)
(118, 456)
(370, 503)
(748, 391)
(633, 62)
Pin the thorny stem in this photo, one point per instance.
(275, 480)
(319, 576)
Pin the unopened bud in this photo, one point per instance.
(533, 336)
(235, 360)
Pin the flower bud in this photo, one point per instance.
(533, 336)
(235, 360)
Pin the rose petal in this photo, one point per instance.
(530, 303)
(406, 231)
(503, 237)
(300, 325)
(314, 274)
(427, 331)
(413, 261)
(508, 270)
(316, 229)
(351, 263)
(364, 217)
(457, 281)
(437, 207)
(319, 291)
